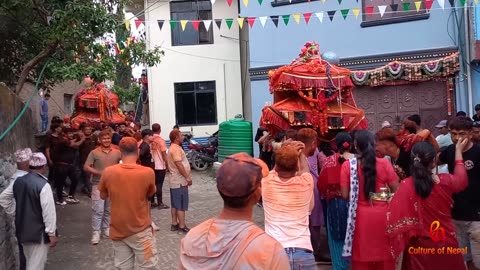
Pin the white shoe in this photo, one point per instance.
(106, 233)
(155, 227)
(95, 237)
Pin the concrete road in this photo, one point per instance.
(75, 252)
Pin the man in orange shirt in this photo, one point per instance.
(159, 152)
(231, 240)
(128, 186)
(179, 180)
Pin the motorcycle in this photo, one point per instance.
(202, 156)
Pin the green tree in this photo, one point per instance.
(66, 33)
(126, 95)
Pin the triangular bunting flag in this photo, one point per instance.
(339, 2)
(452, 3)
(213, 2)
(418, 4)
(476, 2)
(218, 22)
(382, 9)
(173, 24)
(195, 25)
(406, 6)
(394, 7)
(127, 24)
(263, 20)
(245, 3)
(441, 3)
(207, 24)
(369, 10)
(137, 23)
(345, 13)
(356, 12)
(319, 16)
(307, 17)
(275, 20)
(240, 21)
(331, 14)
(251, 21)
(323, 1)
(183, 23)
(260, 2)
(296, 16)
(462, 2)
(229, 2)
(286, 19)
(229, 23)
(428, 4)
(160, 24)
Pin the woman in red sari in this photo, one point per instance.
(365, 242)
(419, 213)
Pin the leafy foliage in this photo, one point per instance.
(126, 96)
(66, 33)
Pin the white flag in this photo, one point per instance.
(441, 3)
(207, 24)
(213, 2)
(382, 10)
(263, 20)
(319, 16)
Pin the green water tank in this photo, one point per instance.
(234, 136)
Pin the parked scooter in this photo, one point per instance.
(202, 156)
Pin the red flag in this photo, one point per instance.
(195, 25)
(251, 21)
(428, 4)
(229, 2)
(307, 17)
(369, 10)
(137, 23)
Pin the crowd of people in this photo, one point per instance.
(385, 200)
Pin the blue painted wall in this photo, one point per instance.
(278, 46)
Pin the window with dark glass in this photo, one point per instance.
(195, 103)
(396, 11)
(191, 10)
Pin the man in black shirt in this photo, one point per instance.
(466, 207)
(145, 154)
(476, 117)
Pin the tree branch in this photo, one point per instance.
(42, 12)
(45, 53)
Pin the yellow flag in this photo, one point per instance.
(127, 24)
(184, 24)
(323, 1)
(476, 2)
(356, 12)
(240, 21)
(418, 4)
(245, 2)
(296, 16)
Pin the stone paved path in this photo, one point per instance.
(75, 252)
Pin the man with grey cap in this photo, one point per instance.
(231, 240)
(35, 216)
(22, 158)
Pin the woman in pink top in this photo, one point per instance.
(366, 242)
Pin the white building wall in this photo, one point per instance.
(218, 62)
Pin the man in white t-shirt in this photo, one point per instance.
(288, 199)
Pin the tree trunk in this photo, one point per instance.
(44, 54)
(123, 71)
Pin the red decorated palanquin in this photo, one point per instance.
(310, 92)
(96, 104)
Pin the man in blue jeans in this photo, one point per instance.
(44, 112)
(288, 199)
